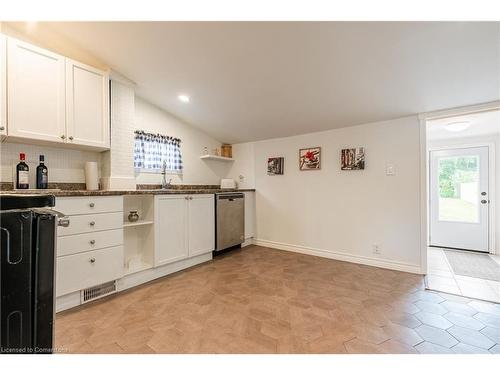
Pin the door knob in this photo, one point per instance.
(92, 223)
(484, 201)
(483, 193)
(2, 128)
(70, 137)
(92, 242)
(63, 136)
(91, 205)
(92, 260)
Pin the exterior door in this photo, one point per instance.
(459, 202)
(35, 92)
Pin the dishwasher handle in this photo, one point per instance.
(230, 197)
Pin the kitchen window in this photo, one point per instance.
(153, 151)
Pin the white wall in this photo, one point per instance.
(341, 214)
(65, 165)
(196, 171)
(495, 141)
(243, 168)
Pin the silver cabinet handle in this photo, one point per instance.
(63, 222)
(92, 223)
(92, 242)
(91, 205)
(92, 260)
(63, 136)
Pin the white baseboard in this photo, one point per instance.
(248, 242)
(382, 263)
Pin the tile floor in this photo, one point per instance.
(441, 277)
(260, 300)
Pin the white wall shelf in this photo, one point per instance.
(128, 224)
(215, 157)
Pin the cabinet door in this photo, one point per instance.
(3, 86)
(87, 103)
(201, 217)
(170, 229)
(35, 92)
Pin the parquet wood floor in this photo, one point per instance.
(260, 300)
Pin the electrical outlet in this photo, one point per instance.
(376, 249)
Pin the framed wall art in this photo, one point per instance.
(310, 158)
(352, 159)
(275, 166)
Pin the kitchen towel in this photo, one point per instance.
(91, 175)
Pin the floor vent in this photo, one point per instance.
(96, 292)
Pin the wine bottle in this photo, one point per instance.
(22, 173)
(42, 174)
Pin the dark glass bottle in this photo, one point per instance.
(22, 173)
(42, 175)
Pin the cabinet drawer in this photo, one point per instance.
(91, 223)
(80, 243)
(89, 205)
(80, 271)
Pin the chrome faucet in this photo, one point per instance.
(164, 183)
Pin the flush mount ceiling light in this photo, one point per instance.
(457, 126)
(183, 98)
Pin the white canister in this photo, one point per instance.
(91, 175)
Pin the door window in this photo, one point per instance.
(459, 188)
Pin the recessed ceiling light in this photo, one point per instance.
(457, 126)
(183, 98)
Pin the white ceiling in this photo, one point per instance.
(258, 80)
(481, 124)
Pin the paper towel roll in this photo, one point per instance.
(91, 175)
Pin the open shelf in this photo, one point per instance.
(138, 236)
(130, 269)
(215, 157)
(137, 223)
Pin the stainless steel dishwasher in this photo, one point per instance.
(229, 220)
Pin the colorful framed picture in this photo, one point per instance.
(352, 159)
(310, 158)
(275, 166)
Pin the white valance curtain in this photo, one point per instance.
(152, 150)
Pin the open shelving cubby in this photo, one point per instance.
(138, 236)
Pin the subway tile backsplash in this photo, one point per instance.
(65, 165)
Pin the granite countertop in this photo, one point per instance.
(82, 193)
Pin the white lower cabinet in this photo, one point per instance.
(174, 232)
(90, 249)
(201, 224)
(84, 270)
(170, 229)
(184, 227)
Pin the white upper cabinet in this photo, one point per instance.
(201, 218)
(51, 98)
(3, 86)
(35, 92)
(87, 103)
